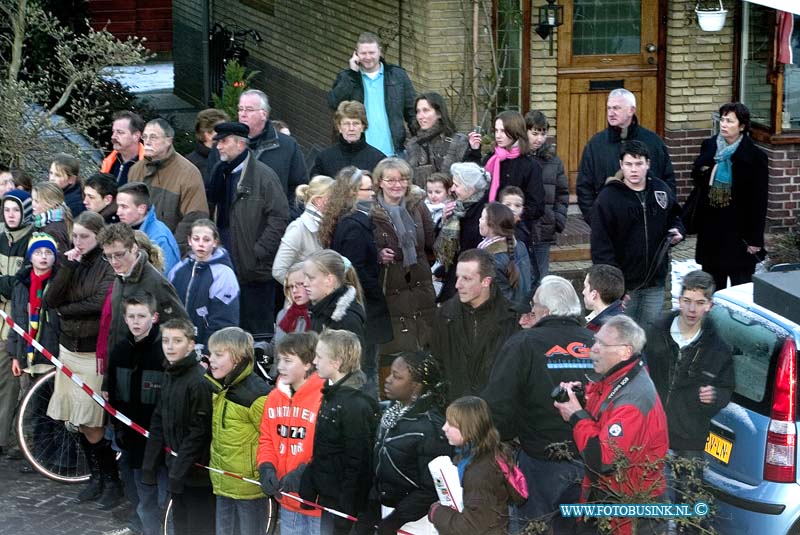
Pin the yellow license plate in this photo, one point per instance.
(718, 447)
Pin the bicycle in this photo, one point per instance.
(50, 446)
(272, 517)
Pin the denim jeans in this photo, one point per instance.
(645, 305)
(256, 309)
(550, 483)
(152, 501)
(193, 511)
(293, 523)
(129, 486)
(540, 262)
(249, 515)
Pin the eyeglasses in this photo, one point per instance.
(364, 189)
(350, 124)
(395, 181)
(151, 137)
(115, 256)
(298, 286)
(600, 343)
(42, 252)
(241, 109)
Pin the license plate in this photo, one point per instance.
(718, 447)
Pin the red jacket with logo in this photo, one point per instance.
(286, 437)
(631, 424)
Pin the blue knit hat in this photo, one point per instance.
(23, 200)
(39, 240)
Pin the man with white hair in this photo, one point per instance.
(600, 158)
(532, 362)
(620, 426)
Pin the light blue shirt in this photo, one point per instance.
(379, 135)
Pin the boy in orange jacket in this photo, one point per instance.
(286, 439)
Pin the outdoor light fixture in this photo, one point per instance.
(551, 16)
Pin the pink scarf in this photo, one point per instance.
(493, 167)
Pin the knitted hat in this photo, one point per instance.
(471, 175)
(39, 240)
(23, 200)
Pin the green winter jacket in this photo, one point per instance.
(238, 403)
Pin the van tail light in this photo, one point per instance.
(781, 451)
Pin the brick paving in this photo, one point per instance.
(35, 505)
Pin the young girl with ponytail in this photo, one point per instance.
(513, 278)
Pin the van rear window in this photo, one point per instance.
(755, 343)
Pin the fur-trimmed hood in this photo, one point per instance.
(343, 303)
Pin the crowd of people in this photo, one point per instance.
(330, 335)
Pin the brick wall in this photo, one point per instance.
(784, 186)
(684, 146)
(543, 71)
(190, 51)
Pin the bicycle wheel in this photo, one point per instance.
(272, 517)
(50, 446)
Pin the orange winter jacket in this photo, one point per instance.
(286, 437)
(111, 159)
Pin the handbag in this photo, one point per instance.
(691, 213)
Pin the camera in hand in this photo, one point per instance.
(561, 395)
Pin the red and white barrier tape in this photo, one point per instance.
(141, 430)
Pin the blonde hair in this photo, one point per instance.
(329, 262)
(319, 186)
(345, 347)
(344, 192)
(350, 109)
(397, 164)
(154, 253)
(237, 342)
(287, 292)
(50, 196)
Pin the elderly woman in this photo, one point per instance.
(350, 120)
(732, 175)
(460, 230)
(436, 145)
(404, 236)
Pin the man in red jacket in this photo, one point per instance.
(623, 420)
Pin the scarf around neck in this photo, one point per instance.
(448, 242)
(50, 216)
(722, 174)
(293, 314)
(35, 299)
(493, 167)
(405, 228)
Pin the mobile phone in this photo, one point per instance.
(478, 129)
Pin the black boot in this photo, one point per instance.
(112, 486)
(94, 488)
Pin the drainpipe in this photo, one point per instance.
(475, 58)
(400, 32)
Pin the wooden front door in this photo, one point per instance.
(603, 45)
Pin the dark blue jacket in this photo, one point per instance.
(73, 198)
(209, 291)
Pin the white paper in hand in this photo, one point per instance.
(447, 483)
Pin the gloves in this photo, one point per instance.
(291, 481)
(268, 477)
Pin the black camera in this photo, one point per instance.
(561, 395)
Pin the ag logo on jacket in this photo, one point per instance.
(661, 199)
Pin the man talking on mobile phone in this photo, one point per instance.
(385, 90)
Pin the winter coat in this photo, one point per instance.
(402, 453)
(339, 310)
(142, 278)
(469, 237)
(678, 375)
(134, 380)
(299, 241)
(467, 340)
(340, 473)
(238, 407)
(181, 422)
(523, 172)
(176, 191)
(343, 154)
(282, 154)
(47, 334)
(600, 160)
(627, 232)
(594, 322)
(632, 426)
(409, 290)
(209, 292)
(530, 364)
(520, 295)
(434, 155)
(724, 233)
(13, 248)
(487, 494)
(109, 214)
(162, 236)
(258, 217)
(58, 231)
(113, 164)
(556, 196)
(399, 96)
(288, 428)
(354, 239)
(73, 198)
(199, 157)
(77, 293)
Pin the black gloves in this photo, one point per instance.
(268, 477)
(291, 481)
